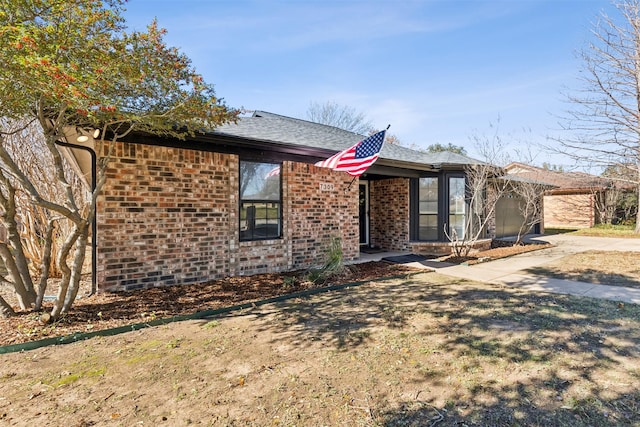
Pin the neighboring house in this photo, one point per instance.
(573, 200)
(247, 199)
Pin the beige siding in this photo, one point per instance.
(569, 211)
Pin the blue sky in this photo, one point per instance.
(438, 71)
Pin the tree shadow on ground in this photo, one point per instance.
(516, 411)
(589, 276)
(473, 325)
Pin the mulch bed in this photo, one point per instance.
(494, 253)
(110, 310)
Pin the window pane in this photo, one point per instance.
(259, 220)
(260, 202)
(456, 196)
(428, 208)
(457, 206)
(428, 220)
(428, 227)
(259, 181)
(429, 190)
(456, 222)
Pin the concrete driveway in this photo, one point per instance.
(512, 271)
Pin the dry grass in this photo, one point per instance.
(110, 310)
(425, 350)
(625, 231)
(602, 267)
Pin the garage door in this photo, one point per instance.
(508, 216)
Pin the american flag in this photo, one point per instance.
(357, 159)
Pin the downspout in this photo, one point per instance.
(94, 223)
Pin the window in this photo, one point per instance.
(260, 201)
(457, 206)
(439, 207)
(428, 209)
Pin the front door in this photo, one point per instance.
(363, 203)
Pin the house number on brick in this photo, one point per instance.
(326, 186)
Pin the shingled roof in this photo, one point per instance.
(563, 181)
(272, 128)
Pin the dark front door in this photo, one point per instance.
(363, 203)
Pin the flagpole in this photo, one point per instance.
(349, 186)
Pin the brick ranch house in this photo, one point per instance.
(247, 199)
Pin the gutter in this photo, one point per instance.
(94, 223)
(266, 150)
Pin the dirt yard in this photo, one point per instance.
(603, 267)
(418, 350)
(421, 350)
(108, 310)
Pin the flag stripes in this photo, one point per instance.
(357, 159)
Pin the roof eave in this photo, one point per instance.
(576, 190)
(407, 165)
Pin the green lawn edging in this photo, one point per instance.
(80, 336)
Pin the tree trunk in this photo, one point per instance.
(519, 237)
(5, 309)
(25, 298)
(76, 268)
(12, 252)
(46, 265)
(637, 229)
(13, 236)
(59, 303)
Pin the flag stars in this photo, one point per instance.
(357, 159)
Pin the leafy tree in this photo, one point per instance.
(439, 148)
(604, 120)
(70, 67)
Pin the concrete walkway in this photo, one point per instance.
(512, 271)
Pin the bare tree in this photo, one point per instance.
(604, 119)
(31, 155)
(388, 138)
(341, 116)
(347, 118)
(35, 234)
(530, 206)
(483, 191)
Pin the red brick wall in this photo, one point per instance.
(164, 217)
(321, 205)
(170, 216)
(389, 213)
